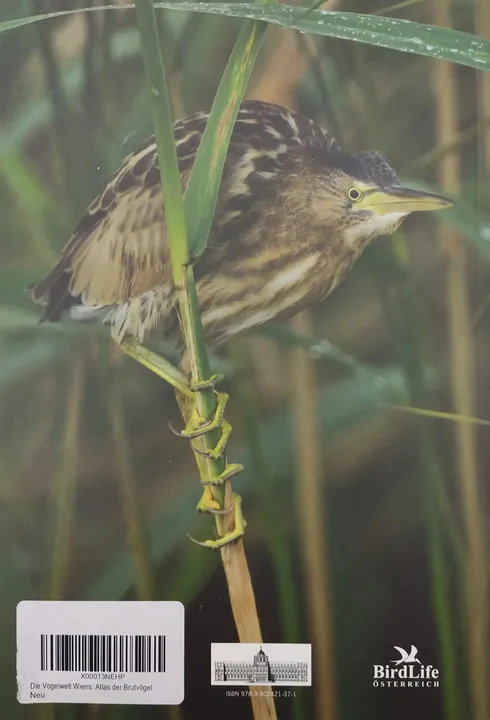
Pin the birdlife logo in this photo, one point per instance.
(406, 671)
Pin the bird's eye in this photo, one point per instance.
(354, 194)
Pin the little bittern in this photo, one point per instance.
(293, 214)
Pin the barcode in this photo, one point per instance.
(103, 653)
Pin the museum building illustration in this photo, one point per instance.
(260, 670)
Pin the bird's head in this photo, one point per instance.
(360, 195)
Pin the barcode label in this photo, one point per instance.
(100, 652)
(103, 653)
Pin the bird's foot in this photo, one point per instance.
(231, 469)
(197, 427)
(200, 385)
(218, 451)
(208, 504)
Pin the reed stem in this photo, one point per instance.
(60, 111)
(483, 29)
(276, 536)
(462, 384)
(312, 525)
(408, 329)
(137, 545)
(235, 565)
(64, 485)
(63, 493)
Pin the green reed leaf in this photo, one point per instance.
(167, 153)
(395, 34)
(202, 191)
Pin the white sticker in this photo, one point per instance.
(267, 664)
(124, 653)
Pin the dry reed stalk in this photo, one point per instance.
(286, 65)
(64, 485)
(143, 576)
(172, 712)
(483, 29)
(462, 382)
(312, 525)
(203, 404)
(63, 495)
(240, 588)
(285, 68)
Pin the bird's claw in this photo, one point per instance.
(194, 430)
(229, 471)
(200, 385)
(196, 427)
(208, 504)
(218, 451)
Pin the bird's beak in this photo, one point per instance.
(402, 200)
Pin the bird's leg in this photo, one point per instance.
(157, 364)
(196, 428)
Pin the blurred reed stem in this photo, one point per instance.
(317, 348)
(168, 46)
(276, 537)
(172, 712)
(400, 302)
(138, 548)
(91, 91)
(60, 110)
(293, 54)
(285, 68)
(63, 493)
(203, 189)
(21, 178)
(483, 29)
(397, 6)
(461, 351)
(427, 159)
(108, 77)
(41, 431)
(400, 305)
(63, 496)
(312, 529)
(190, 572)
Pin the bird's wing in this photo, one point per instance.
(119, 251)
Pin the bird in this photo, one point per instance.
(293, 214)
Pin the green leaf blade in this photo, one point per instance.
(394, 34)
(202, 191)
(164, 136)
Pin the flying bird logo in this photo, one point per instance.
(405, 657)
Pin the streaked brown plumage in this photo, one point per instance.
(287, 228)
